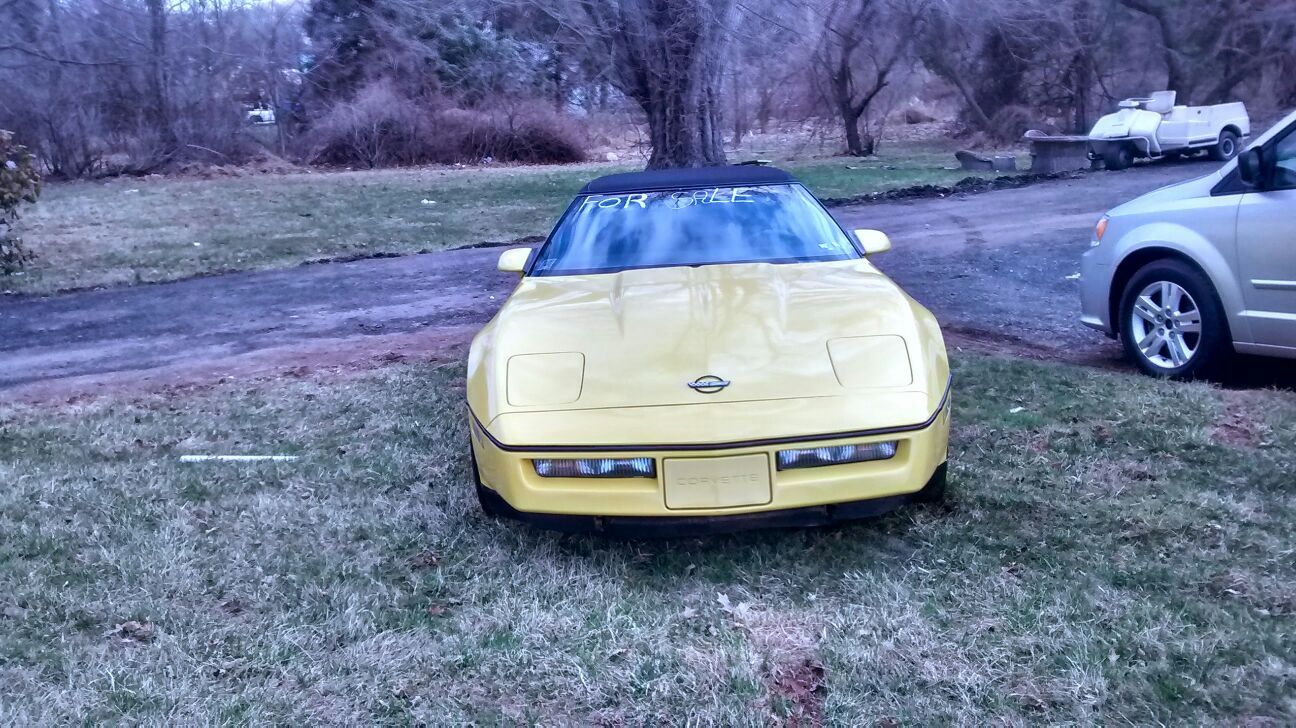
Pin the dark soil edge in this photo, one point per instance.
(965, 186)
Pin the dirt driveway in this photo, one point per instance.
(992, 266)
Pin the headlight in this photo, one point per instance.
(835, 455)
(1099, 230)
(597, 468)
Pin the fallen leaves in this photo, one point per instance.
(134, 632)
(802, 684)
(1241, 424)
(424, 560)
(789, 647)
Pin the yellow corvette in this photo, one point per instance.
(705, 350)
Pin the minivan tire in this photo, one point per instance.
(1214, 345)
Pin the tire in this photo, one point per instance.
(1118, 157)
(1180, 331)
(1226, 148)
(934, 491)
(485, 497)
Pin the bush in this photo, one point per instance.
(532, 135)
(378, 128)
(19, 183)
(1010, 122)
(382, 128)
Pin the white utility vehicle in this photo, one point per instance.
(1154, 127)
(261, 115)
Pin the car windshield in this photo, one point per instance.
(765, 224)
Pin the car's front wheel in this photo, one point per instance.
(934, 491)
(1172, 323)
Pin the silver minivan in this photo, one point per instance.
(1190, 273)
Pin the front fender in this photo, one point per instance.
(1210, 247)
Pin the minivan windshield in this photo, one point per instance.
(779, 223)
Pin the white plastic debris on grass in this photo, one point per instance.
(236, 458)
(1073, 277)
(1015, 410)
(428, 202)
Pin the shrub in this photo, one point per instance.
(533, 135)
(378, 128)
(381, 128)
(1010, 122)
(19, 183)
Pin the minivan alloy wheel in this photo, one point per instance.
(1166, 324)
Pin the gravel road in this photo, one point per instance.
(992, 266)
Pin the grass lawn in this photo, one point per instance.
(126, 231)
(1101, 559)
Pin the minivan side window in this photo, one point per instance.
(1285, 161)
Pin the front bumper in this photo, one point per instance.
(509, 475)
(1095, 287)
(676, 526)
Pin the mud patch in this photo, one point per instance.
(1241, 424)
(319, 358)
(996, 343)
(965, 186)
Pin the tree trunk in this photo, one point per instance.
(1178, 77)
(668, 56)
(979, 115)
(852, 110)
(160, 114)
(855, 144)
(739, 118)
(1080, 82)
(556, 73)
(684, 124)
(765, 109)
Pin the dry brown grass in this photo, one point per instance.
(1100, 560)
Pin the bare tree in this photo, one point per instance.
(667, 56)
(860, 45)
(1211, 48)
(132, 86)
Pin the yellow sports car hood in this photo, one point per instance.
(832, 334)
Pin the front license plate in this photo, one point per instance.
(741, 480)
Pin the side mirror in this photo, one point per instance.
(1251, 167)
(514, 260)
(873, 241)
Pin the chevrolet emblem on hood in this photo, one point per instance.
(708, 384)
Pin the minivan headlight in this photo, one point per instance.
(836, 455)
(1099, 230)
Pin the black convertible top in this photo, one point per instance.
(677, 179)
